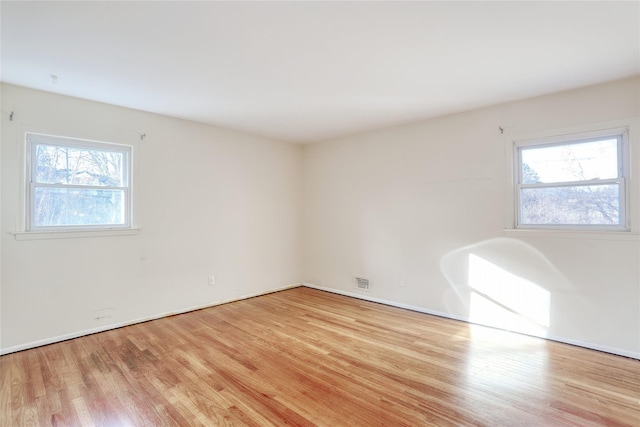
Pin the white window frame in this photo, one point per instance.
(33, 139)
(622, 136)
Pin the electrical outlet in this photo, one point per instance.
(402, 282)
(212, 280)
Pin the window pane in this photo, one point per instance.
(578, 205)
(79, 166)
(72, 206)
(570, 162)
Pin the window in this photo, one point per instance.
(576, 181)
(77, 185)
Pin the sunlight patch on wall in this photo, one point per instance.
(502, 299)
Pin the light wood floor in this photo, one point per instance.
(306, 357)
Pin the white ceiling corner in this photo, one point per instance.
(311, 71)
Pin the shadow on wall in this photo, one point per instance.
(504, 283)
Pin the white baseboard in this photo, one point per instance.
(385, 302)
(579, 343)
(52, 340)
(65, 337)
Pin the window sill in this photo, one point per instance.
(45, 235)
(574, 234)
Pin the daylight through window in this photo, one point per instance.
(572, 183)
(76, 185)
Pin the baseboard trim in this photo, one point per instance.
(564, 340)
(385, 302)
(60, 338)
(78, 334)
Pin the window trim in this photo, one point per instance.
(32, 139)
(514, 144)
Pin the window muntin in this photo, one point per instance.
(77, 185)
(573, 183)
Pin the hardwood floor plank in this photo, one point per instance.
(310, 358)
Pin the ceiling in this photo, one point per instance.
(311, 71)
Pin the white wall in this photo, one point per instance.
(208, 201)
(426, 204)
(423, 204)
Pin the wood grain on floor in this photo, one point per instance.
(310, 358)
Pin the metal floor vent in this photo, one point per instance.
(362, 283)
